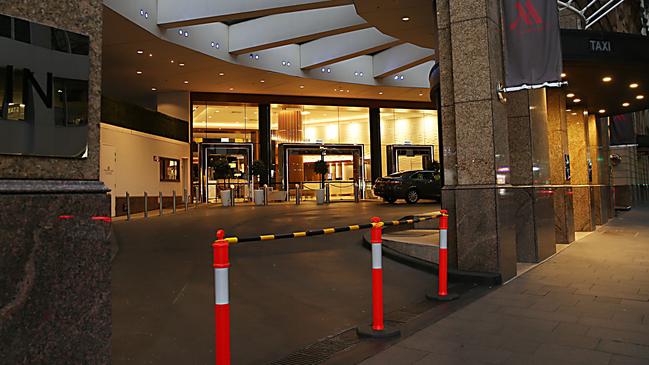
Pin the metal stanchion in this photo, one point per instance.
(356, 193)
(185, 199)
(221, 299)
(442, 287)
(196, 197)
(377, 329)
(327, 194)
(174, 203)
(146, 205)
(265, 194)
(160, 202)
(297, 194)
(128, 206)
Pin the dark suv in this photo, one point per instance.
(409, 185)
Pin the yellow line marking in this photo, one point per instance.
(329, 230)
(299, 234)
(354, 228)
(268, 237)
(232, 240)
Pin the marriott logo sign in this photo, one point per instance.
(527, 20)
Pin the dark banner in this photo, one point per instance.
(532, 44)
(622, 130)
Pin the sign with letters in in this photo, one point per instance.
(532, 44)
(44, 74)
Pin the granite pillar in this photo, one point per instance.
(564, 225)
(474, 129)
(529, 173)
(578, 142)
(54, 251)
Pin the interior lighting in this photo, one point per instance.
(602, 111)
(405, 19)
(221, 74)
(634, 86)
(607, 79)
(301, 86)
(180, 31)
(568, 110)
(573, 113)
(153, 89)
(421, 94)
(305, 113)
(186, 82)
(231, 89)
(138, 72)
(172, 61)
(150, 54)
(625, 104)
(262, 81)
(181, 64)
(571, 95)
(640, 97)
(563, 75)
(577, 100)
(380, 92)
(139, 51)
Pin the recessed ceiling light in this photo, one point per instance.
(186, 82)
(607, 79)
(301, 86)
(633, 86)
(181, 64)
(602, 111)
(138, 72)
(625, 104)
(221, 74)
(231, 89)
(640, 97)
(571, 95)
(563, 74)
(585, 112)
(262, 81)
(153, 89)
(380, 92)
(172, 61)
(305, 113)
(405, 18)
(139, 51)
(576, 100)
(150, 54)
(573, 113)
(421, 94)
(568, 110)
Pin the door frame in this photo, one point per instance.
(216, 143)
(392, 153)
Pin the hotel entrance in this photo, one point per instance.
(225, 166)
(345, 175)
(409, 157)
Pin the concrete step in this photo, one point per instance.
(422, 244)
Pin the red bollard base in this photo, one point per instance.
(445, 298)
(369, 332)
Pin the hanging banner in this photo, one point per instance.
(532, 44)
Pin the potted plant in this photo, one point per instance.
(223, 171)
(258, 168)
(320, 168)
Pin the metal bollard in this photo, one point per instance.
(174, 203)
(196, 198)
(185, 199)
(221, 299)
(128, 206)
(442, 288)
(160, 202)
(146, 205)
(377, 329)
(327, 194)
(356, 193)
(265, 194)
(297, 194)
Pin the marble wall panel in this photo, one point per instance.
(471, 68)
(564, 224)
(475, 149)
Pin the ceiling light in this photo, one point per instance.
(405, 18)
(563, 74)
(172, 61)
(576, 100)
(585, 112)
(633, 86)
(186, 82)
(301, 86)
(305, 113)
(150, 54)
(607, 79)
(262, 81)
(573, 113)
(138, 72)
(181, 64)
(153, 89)
(625, 104)
(571, 95)
(180, 31)
(421, 94)
(640, 97)
(139, 51)
(568, 110)
(602, 111)
(231, 89)
(380, 92)
(221, 74)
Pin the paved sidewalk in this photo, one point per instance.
(589, 304)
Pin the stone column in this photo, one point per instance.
(564, 224)
(476, 153)
(54, 235)
(578, 141)
(598, 151)
(530, 174)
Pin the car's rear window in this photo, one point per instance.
(397, 174)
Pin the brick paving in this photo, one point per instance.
(589, 304)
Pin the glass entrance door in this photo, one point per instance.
(409, 157)
(345, 174)
(226, 166)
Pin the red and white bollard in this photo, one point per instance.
(221, 299)
(442, 287)
(377, 329)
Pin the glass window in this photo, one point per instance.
(12, 107)
(169, 169)
(230, 122)
(21, 31)
(5, 26)
(70, 102)
(59, 40)
(79, 44)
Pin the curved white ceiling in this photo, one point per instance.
(314, 39)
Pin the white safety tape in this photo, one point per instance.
(376, 256)
(443, 239)
(221, 290)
